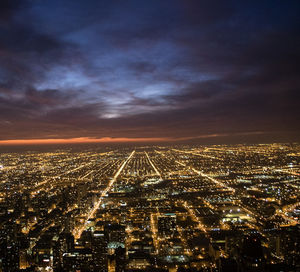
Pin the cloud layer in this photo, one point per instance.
(154, 69)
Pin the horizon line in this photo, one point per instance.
(79, 140)
(118, 139)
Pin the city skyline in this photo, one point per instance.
(228, 208)
(149, 71)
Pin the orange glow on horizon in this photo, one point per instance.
(82, 140)
(119, 139)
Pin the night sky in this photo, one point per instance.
(149, 70)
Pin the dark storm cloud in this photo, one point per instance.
(26, 53)
(151, 69)
(142, 67)
(8, 9)
(44, 113)
(31, 103)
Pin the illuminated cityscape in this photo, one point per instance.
(151, 208)
(149, 136)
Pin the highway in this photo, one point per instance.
(77, 232)
(153, 166)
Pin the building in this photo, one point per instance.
(9, 248)
(167, 224)
(115, 235)
(99, 251)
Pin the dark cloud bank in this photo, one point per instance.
(150, 69)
